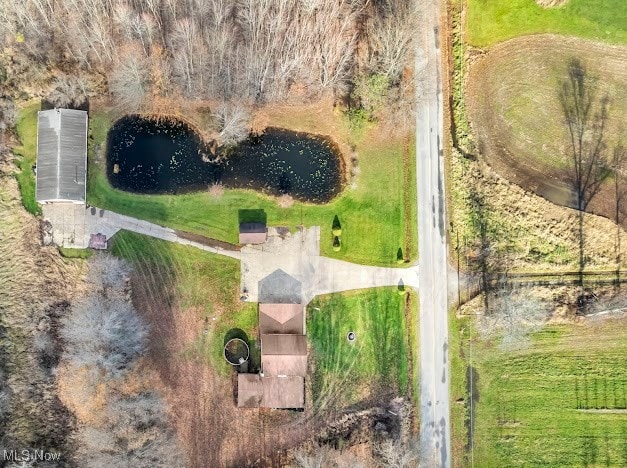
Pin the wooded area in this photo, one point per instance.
(255, 51)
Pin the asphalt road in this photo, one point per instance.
(434, 369)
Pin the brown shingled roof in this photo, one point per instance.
(254, 391)
(283, 392)
(281, 318)
(284, 344)
(283, 355)
(249, 391)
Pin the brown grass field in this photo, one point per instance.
(513, 106)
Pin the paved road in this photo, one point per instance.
(434, 369)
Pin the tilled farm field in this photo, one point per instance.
(515, 112)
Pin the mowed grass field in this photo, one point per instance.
(26, 128)
(376, 363)
(179, 287)
(371, 213)
(514, 109)
(561, 402)
(492, 21)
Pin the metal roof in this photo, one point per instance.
(61, 155)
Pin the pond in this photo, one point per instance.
(149, 156)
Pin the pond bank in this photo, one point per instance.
(146, 155)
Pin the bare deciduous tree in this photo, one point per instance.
(104, 333)
(261, 50)
(68, 90)
(394, 454)
(390, 35)
(130, 81)
(513, 314)
(233, 123)
(317, 458)
(585, 117)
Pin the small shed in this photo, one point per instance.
(98, 241)
(61, 156)
(252, 233)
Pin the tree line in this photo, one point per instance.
(253, 50)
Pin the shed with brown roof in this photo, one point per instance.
(252, 233)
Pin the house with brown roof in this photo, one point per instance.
(281, 319)
(281, 382)
(283, 355)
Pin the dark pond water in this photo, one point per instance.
(167, 157)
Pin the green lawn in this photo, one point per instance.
(26, 127)
(371, 215)
(346, 373)
(458, 347)
(491, 21)
(75, 253)
(178, 279)
(561, 402)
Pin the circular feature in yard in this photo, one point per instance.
(236, 351)
(351, 336)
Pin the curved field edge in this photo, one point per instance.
(492, 21)
(513, 106)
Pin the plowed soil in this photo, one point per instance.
(513, 106)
